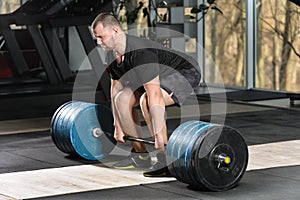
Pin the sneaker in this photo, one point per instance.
(160, 168)
(161, 161)
(162, 172)
(134, 160)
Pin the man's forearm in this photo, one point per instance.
(116, 87)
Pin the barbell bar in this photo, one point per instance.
(134, 139)
(200, 154)
(221, 158)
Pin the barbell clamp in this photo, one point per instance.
(223, 161)
(97, 132)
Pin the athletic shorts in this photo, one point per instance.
(182, 84)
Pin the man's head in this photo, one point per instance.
(106, 28)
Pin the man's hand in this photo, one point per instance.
(159, 142)
(118, 135)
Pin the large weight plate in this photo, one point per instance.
(209, 172)
(53, 126)
(81, 132)
(174, 146)
(72, 130)
(199, 133)
(58, 128)
(194, 153)
(179, 149)
(67, 119)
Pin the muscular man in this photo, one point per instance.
(145, 74)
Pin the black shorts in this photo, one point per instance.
(182, 84)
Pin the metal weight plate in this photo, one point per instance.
(81, 128)
(87, 132)
(59, 126)
(207, 156)
(220, 158)
(58, 129)
(66, 121)
(198, 133)
(53, 126)
(179, 149)
(173, 146)
(54, 117)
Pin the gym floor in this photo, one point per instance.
(33, 168)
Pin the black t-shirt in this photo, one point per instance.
(144, 60)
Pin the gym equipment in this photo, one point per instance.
(36, 48)
(203, 155)
(207, 156)
(77, 128)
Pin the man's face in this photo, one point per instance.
(105, 37)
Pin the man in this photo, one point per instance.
(144, 74)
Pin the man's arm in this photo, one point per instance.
(156, 106)
(116, 87)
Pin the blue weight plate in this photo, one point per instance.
(60, 130)
(189, 164)
(194, 155)
(84, 142)
(173, 150)
(53, 125)
(183, 143)
(183, 149)
(54, 117)
(57, 129)
(170, 158)
(171, 153)
(65, 127)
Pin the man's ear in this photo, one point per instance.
(116, 29)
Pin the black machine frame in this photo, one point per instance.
(47, 23)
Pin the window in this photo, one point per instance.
(225, 43)
(8, 6)
(278, 49)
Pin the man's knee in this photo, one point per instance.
(121, 99)
(144, 102)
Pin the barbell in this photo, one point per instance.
(200, 154)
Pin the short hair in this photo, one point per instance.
(107, 19)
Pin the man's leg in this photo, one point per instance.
(160, 168)
(125, 103)
(146, 113)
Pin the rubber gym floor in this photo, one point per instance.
(33, 168)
